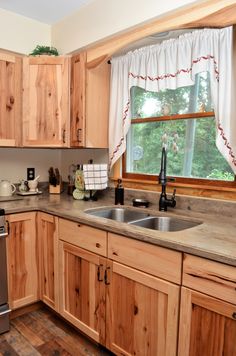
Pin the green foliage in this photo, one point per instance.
(42, 50)
(217, 174)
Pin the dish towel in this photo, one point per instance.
(95, 176)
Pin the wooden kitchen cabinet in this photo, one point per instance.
(48, 259)
(112, 300)
(208, 308)
(10, 99)
(142, 309)
(89, 103)
(82, 291)
(22, 259)
(46, 101)
(81, 271)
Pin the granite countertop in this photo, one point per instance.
(214, 238)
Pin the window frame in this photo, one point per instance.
(179, 180)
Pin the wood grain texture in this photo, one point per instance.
(48, 256)
(22, 252)
(97, 105)
(46, 101)
(84, 236)
(10, 99)
(89, 103)
(155, 260)
(78, 92)
(141, 317)
(209, 277)
(207, 326)
(82, 296)
(43, 333)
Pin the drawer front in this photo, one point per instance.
(84, 236)
(209, 277)
(155, 260)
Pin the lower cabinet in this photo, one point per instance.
(128, 311)
(141, 313)
(22, 257)
(82, 291)
(48, 259)
(207, 325)
(208, 308)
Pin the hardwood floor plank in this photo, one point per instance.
(20, 345)
(52, 348)
(42, 333)
(36, 326)
(25, 331)
(6, 349)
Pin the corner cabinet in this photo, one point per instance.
(48, 259)
(208, 309)
(46, 101)
(22, 260)
(10, 99)
(89, 103)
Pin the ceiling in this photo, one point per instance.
(46, 11)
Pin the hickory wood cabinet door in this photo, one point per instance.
(22, 257)
(82, 291)
(89, 103)
(82, 252)
(207, 325)
(10, 99)
(208, 308)
(46, 101)
(48, 259)
(142, 298)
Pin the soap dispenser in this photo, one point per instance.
(119, 193)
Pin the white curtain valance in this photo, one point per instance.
(170, 65)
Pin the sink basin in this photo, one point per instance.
(118, 214)
(165, 223)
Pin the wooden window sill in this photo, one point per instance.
(206, 191)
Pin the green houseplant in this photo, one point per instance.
(44, 50)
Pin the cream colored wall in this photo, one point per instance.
(15, 161)
(103, 18)
(21, 34)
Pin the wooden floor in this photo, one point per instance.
(42, 333)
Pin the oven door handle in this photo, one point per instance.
(5, 312)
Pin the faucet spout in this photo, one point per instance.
(164, 201)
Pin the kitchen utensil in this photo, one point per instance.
(6, 188)
(33, 185)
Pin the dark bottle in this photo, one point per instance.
(119, 193)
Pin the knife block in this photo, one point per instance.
(55, 189)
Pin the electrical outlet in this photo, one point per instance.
(30, 173)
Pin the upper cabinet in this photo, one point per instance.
(46, 101)
(10, 99)
(89, 103)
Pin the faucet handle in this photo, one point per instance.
(173, 195)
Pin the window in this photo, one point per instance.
(183, 121)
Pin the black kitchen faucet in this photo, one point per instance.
(164, 202)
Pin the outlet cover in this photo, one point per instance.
(30, 173)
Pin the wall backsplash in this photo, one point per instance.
(15, 161)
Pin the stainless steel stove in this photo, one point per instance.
(4, 307)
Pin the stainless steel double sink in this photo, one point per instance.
(142, 219)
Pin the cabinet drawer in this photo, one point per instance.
(209, 277)
(84, 236)
(155, 260)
